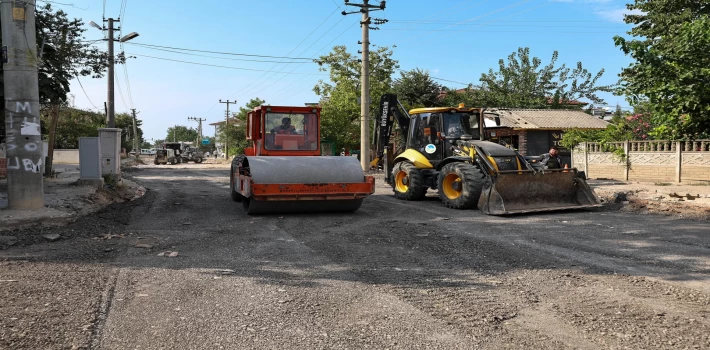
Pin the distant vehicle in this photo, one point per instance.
(149, 152)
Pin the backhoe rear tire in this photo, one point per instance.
(460, 185)
(408, 182)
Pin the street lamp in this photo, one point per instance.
(111, 122)
(129, 36)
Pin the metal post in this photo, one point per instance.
(23, 137)
(136, 147)
(226, 135)
(111, 123)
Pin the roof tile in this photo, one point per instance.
(548, 119)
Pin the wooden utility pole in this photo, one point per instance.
(21, 85)
(226, 124)
(365, 9)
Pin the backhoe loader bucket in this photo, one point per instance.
(515, 192)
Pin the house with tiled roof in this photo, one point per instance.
(534, 131)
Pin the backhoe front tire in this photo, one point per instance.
(408, 182)
(460, 185)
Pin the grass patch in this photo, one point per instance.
(662, 184)
(700, 184)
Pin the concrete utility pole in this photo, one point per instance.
(21, 85)
(365, 9)
(136, 147)
(199, 127)
(111, 108)
(111, 122)
(226, 136)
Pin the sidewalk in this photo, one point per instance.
(64, 200)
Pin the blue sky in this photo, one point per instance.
(455, 40)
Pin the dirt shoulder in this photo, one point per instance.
(688, 200)
(65, 201)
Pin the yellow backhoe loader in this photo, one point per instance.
(446, 150)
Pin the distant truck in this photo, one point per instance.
(148, 152)
(183, 152)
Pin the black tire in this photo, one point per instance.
(171, 161)
(408, 182)
(156, 162)
(460, 185)
(236, 196)
(198, 160)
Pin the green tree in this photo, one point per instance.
(467, 96)
(253, 103)
(522, 82)
(179, 133)
(672, 68)
(74, 123)
(415, 88)
(124, 121)
(340, 117)
(235, 132)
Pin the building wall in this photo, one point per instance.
(66, 156)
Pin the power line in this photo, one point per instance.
(214, 65)
(85, 94)
(314, 55)
(480, 16)
(120, 91)
(260, 77)
(220, 58)
(280, 70)
(216, 52)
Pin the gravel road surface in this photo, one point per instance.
(393, 275)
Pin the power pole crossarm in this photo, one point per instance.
(199, 127)
(365, 9)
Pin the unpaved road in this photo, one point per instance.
(394, 275)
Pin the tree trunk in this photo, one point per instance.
(54, 118)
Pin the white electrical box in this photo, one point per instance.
(110, 148)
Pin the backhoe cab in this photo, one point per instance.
(446, 150)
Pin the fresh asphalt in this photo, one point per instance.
(397, 275)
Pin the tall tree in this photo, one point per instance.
(340, 119)
(522, 82)
(671, 69)
(416, 88)
(179, 133)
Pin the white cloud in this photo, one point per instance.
(617, 15)
(435, 71)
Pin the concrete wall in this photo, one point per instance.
(66, 156)
(650, 161)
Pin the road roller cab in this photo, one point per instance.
(282, 169)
